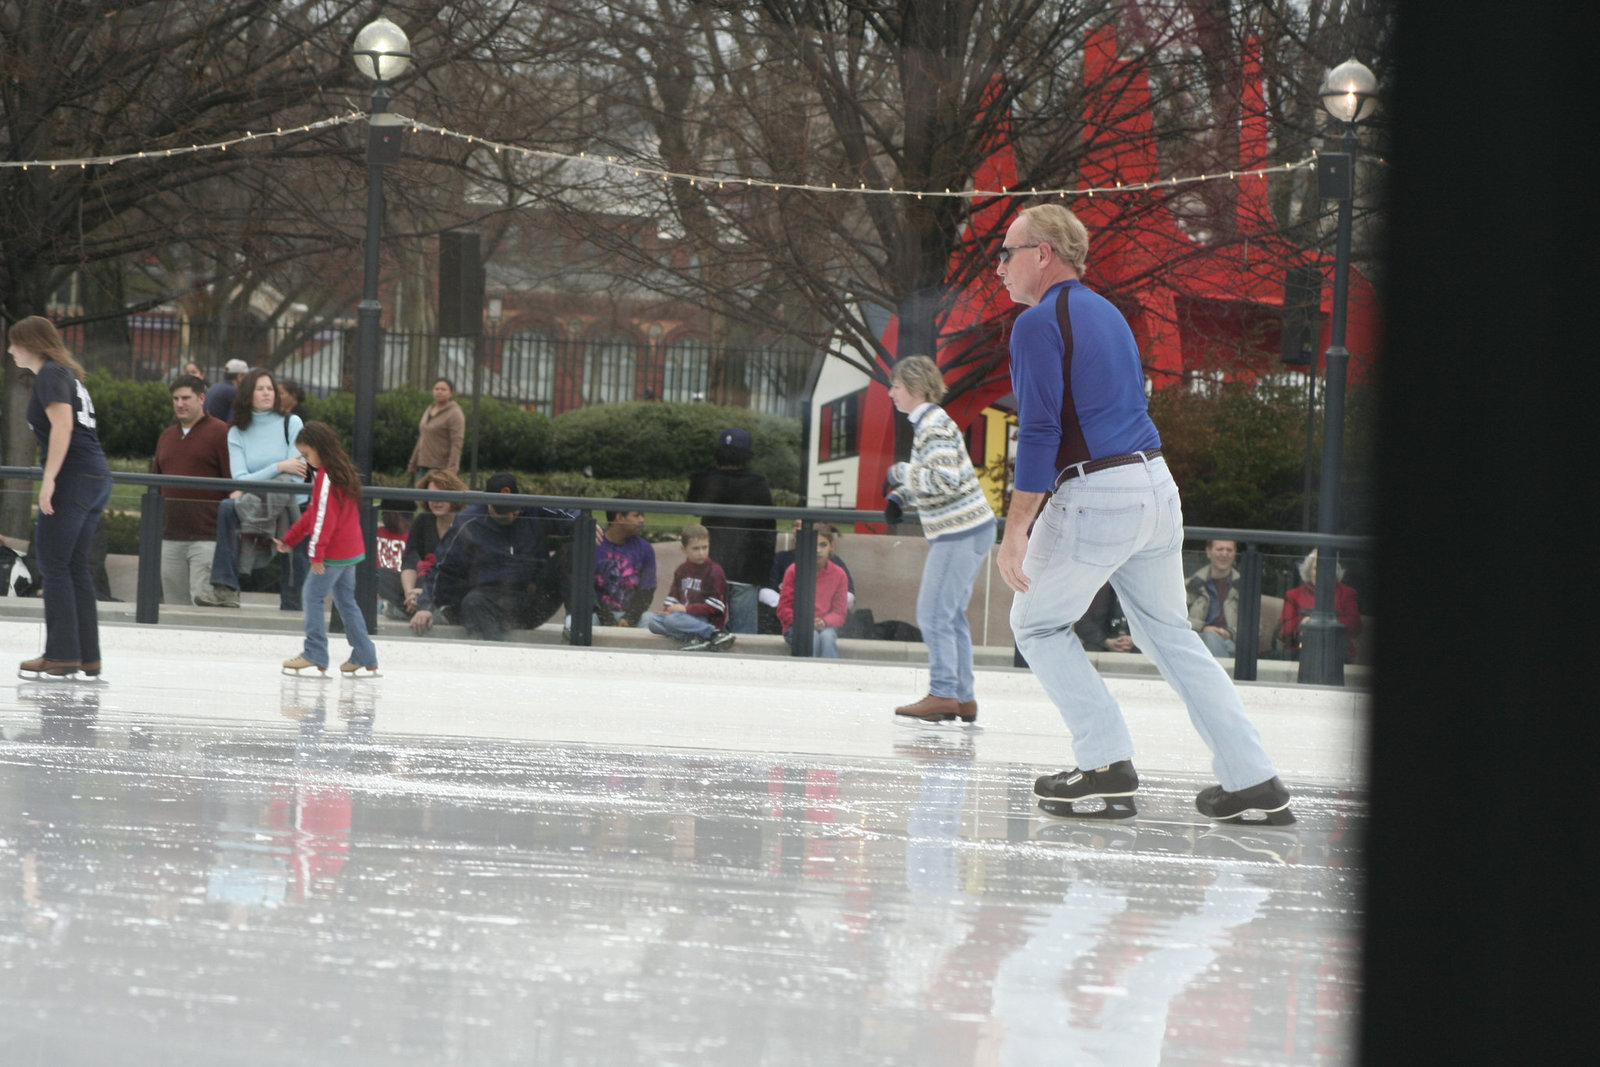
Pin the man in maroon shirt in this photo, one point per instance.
(196, 446)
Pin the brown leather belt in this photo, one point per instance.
(1090, 466)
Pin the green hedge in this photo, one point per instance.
(645, 439)
(657, 442)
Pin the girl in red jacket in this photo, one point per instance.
(832, 598)
(331, 528)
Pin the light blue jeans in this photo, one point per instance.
(679, 625)
(947, 576)
(341, 582)
(743, 599)
(1125, 525)
(824, 642)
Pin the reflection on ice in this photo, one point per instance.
(315, 889)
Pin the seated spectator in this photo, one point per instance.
(624, 570)
(696, 609)
(1213, 592)
(1302, 599)
(769, 593)
(1104, 627)
(832, 597)
(394, 527)
(494, 573)
(427, 536)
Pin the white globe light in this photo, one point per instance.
(382, 51)
(1350, 92)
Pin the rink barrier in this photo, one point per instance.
(581, 588)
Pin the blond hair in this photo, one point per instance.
(1059, 228)
(921, 377)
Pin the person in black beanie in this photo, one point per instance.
(743, 547)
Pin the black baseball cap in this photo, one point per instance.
(735, 437)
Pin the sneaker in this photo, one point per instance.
(356, 670)
(1117, 779)
(299, 665)
(721, 641)
(1266, 802)
(219, 597)
(698, 644)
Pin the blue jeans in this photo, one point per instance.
(1125, 525)
(225, 560)
(743, 599)
(341, 582)
(679, 625)
(824, 643)
(1219, 646)
(62, 541)
(947, 577)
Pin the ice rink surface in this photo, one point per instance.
(518, 855)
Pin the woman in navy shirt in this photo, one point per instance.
(73, 492)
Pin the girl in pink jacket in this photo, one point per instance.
(833, 597)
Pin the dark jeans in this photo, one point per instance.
(71, 620)
(225, 561)
(488, 611)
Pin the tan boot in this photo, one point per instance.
(931, 709)
(968, 710)
(300, 665)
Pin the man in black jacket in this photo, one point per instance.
(743, 547)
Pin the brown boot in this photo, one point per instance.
(47, 668)
(968, 710)
(931, 709)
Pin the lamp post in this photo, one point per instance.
(1349, 93)
(382, 52)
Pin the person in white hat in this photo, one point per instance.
(219, 398)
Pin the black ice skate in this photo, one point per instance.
(1267, 802)
(1065, 792)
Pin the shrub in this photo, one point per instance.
(130, 415)
(651, 440)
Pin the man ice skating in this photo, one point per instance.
(1094, 502)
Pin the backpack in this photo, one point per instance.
(17, 579)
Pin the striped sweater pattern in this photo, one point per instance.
(940, 481)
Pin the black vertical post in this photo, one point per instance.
(803, 629)
(1247, 638)
(147, 607)
(1321, 634)
(581, 597)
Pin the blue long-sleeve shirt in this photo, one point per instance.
(1085, 404)
(253, 454)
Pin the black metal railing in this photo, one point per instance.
(581, 586)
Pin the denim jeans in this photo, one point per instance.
(679, 625)
(743, 599)
(62, 540)
(947, 577)
(1125, 525)
(824, 642)
(225, 561)
(341, 582)
(1219, 646)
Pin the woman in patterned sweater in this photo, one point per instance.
(940, 483)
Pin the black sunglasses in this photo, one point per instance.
(1005, 251)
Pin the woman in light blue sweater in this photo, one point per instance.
(260, 449)
(956, 518)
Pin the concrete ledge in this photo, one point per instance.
(259, 613)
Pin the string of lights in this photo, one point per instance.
(84, 162)
(612, 162)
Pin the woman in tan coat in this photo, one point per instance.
(440, 433)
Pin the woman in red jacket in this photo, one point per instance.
(1299, 602)
(331, 528)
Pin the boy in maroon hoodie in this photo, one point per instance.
(697, 603)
